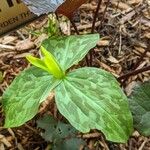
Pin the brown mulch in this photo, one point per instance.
(125, 36)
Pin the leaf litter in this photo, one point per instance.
(125, 36)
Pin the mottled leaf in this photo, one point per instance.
(55, 130)
(43, 7)
(23, 97)
(91, 98)
(69, 144)
(62, 135)
(140, 106)
(71, 49)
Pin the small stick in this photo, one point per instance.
(77, 32)
(95, 15)
(135, 72)
(104, 14)
(93, 27)
(138, 63)
(74, 26)
(141, 58)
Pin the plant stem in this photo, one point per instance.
(135, 72)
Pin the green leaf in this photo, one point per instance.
(62, 135)
(55, 130)
(71, 49)
(139, 102)
(69, 144)
(23, 97)
(91, 98)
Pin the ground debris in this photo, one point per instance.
(124, 35)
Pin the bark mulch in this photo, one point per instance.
(124, 27)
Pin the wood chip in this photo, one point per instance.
(7, 47)
(142, 50)
(5, 141)
(103, 43)
(121, 5)
(134, 2)
(113, 60)
(24, 45)
(9, 39)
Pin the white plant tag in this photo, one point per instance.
(40, 7)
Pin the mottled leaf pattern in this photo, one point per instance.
(71, 49)
(91, 98)
(69, 144)
(140, 106)
(55, 130)
(23, 97)
(62, 135)
(43, 7)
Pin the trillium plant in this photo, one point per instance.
(88, 97)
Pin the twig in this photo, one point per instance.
(137, 64)
(142, 56)
(8, 47)
(120, 42)
(135, 72)
(74, 26)
(90, 135)
(21, 35)
(87, 26)
(143, 144)
(104, 15)
(95, 15)
(93, 27)
(77, 32)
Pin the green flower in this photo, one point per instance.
(47, 63)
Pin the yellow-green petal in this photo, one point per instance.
(52, 64)
(37, 62)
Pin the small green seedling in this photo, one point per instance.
(89, 98)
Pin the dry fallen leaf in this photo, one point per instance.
(69, 6)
